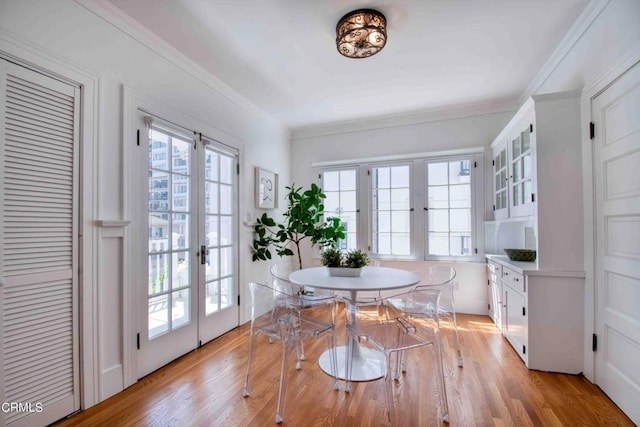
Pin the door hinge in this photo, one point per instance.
(524, 349)
(494, 207)
(493, 162)
(594, 342)
(488, 282)
(475, 164)
(489, 307)
(533, 197)
(238, 168)
(138, 340)
(320, 176)
(369, 248)
(199, 343)
(592, 130)
(368, 172)
(524, 311)
(475, 250)
(530, 127)
(238, 299)
(138, 137)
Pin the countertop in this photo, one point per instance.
(531, 268)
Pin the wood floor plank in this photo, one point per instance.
(204, 388)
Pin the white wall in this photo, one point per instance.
(66, 32)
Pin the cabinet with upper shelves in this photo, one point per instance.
(537, 182)
(513, 171)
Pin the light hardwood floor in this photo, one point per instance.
(204, 388)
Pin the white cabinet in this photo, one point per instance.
(513, 168)
(515, 328)
(537, 198)
(537, 182)
(542, 314)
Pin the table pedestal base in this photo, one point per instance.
(367, 365)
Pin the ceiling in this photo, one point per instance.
(440, 54)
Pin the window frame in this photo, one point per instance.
(418, 221)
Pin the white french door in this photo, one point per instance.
(616, 116)
(188, 294)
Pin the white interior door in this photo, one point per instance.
(616, 115)
(188, 292)
(39, 123)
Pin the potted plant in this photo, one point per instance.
(348, 265)
(331, 257)
(303, 219)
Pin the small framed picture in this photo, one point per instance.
(266, 189)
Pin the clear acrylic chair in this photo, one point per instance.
(381, 326)
(441, 278)
(312, 298)
(277, 315)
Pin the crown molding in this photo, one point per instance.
(123, 22)
(573, 36)
(406, 119)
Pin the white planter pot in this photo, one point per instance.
(344, 271)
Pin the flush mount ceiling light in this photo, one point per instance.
(361, 33)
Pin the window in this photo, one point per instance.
(416, 209)
(390, 213)
(340, 188)
(449, 208)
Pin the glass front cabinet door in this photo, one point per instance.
(513, 171)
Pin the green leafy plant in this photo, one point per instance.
(304, 219)
(356, 258)
(331, 257)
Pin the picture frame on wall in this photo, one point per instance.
(266, 187)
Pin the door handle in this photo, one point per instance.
(204, 252)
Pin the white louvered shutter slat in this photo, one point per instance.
(39, 254)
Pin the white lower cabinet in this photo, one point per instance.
(515, 309)
(542, 314)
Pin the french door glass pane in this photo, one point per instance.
(219, 230)
(181, 315)
(158, 315)
(180, 270)
(170, 223)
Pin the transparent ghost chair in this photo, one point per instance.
(312, 298)
(381, 326)
(277, 315)
(443, 279)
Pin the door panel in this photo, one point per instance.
(38, 248)
(616, 115)
(170, 328)
(218, 303)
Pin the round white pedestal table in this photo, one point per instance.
(368, 364)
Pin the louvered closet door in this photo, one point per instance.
(38, 206)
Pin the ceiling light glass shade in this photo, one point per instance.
(361, 33)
